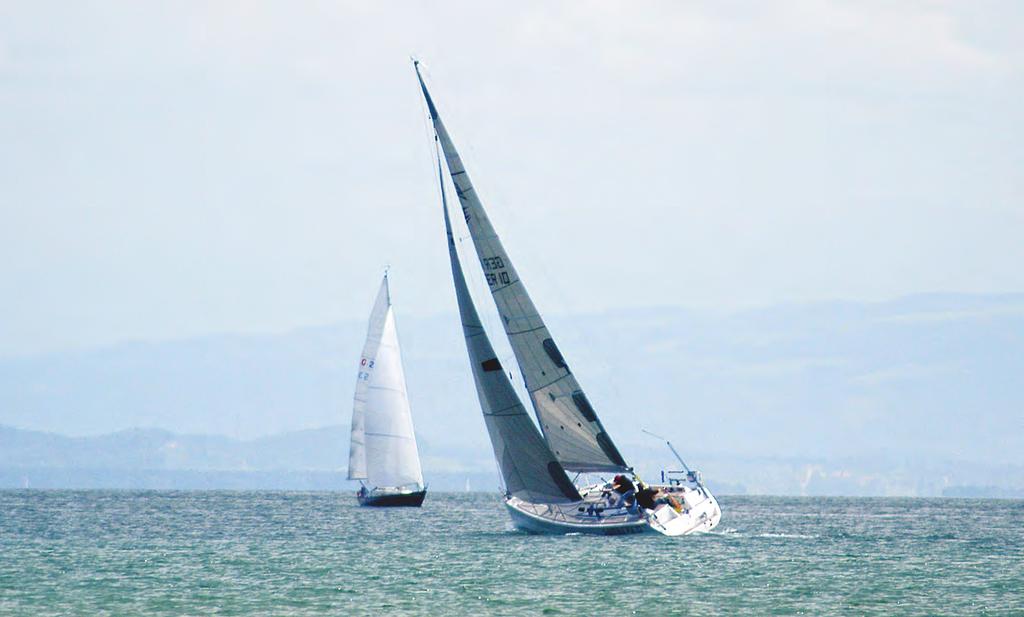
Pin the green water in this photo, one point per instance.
(277, 553)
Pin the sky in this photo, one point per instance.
(169, 170)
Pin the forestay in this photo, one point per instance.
(383, 446)
(570, 425)
(527, 465)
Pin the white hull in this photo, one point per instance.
(700, 513)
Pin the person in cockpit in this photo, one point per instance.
(624, 493)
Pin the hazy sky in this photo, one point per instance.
(175, 169)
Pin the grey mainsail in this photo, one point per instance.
(570, 425)
(527, 465)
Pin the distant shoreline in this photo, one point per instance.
(46, 479)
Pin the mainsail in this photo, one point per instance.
(383, 447)
(527, 465)
(568, 420)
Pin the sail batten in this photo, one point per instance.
(528, 468)
(383, 447)
(578, 440)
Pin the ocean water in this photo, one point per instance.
(282, 553)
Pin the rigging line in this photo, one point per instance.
(428, 124)
(457, 235)
(487, 312)
(670, 447)
(475, 278)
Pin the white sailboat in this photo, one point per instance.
(382, 451)
(534, 464)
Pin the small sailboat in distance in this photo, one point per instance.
(383, 455)
(535, 464)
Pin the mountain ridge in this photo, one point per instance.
(930, 377)
(314, 459)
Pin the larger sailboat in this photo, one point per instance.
(382, 451)
(534, 465)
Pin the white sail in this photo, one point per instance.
(383, 444)
(357, 440)
(569, 423)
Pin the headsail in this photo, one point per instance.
(570, 425)
(383, 445)
(357, 440)
(527, 464)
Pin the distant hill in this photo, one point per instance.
(154, 458)
(323, 449)
(922, 380)
(314, 459)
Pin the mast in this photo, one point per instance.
(528, 467)
(568, 420)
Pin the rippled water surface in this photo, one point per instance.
(279, 553)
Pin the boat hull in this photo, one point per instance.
(700, 512)
(539, 525)
(392, 500)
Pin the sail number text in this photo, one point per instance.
(494, 271)
(364, 367)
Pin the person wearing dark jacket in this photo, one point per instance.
(624, 491)
(650, 498)
(622, 484)
(646, 497)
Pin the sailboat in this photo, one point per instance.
(535, 464)
(383, 455)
